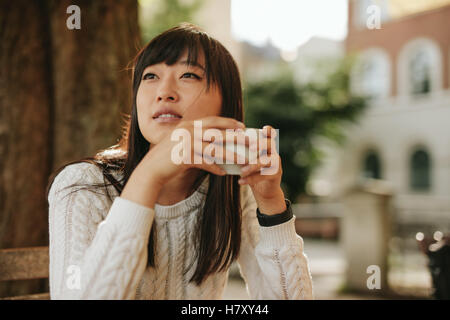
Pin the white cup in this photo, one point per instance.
(241, 150)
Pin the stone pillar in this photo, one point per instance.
(365, 235)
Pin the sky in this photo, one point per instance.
(288, 23)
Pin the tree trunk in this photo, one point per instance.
(92, 86)
(62, 94)
(25, 103)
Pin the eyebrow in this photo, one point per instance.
(185, 62)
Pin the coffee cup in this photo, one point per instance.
(242, 151)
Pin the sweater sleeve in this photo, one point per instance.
(97, 250)
(271, 259)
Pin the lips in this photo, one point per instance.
(166, 111)
(166, 115)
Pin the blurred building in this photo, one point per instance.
(215, 17)
(316, 59)
(312, 61)
(260, 62)
(404, 137)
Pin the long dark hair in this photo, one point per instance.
(218, 234)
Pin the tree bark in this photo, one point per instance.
(92, 86)
(25, 102)
(62, 94)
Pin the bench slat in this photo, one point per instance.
(37, 296)
(24, 263)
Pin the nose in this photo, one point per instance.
(167, 92)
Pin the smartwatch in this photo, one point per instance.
(275, 219)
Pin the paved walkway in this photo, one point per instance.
(327, 265)
(327, 269)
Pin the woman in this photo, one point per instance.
(130, 223)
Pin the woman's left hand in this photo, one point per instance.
(264, 177)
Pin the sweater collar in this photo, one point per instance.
(189, 204)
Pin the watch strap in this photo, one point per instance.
(266, 220)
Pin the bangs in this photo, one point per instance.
(168, 48)
(221, 71)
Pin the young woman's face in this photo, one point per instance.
(179, 89)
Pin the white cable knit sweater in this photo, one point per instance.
(98, 249)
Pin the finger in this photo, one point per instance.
(269, 131)
(227, 157)
(264, 146)
(211, 153)
(213, 168)
(220, 122)
(228, 136)
(263, 162)
(263, 173)
(238, 145)
(252, 179)
(249, 170)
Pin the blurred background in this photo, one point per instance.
(359, 90)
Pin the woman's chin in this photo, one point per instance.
(156, 136)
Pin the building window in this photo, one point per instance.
(369, 79)
(371, 75)
(371, 165)
(420, 171)
(420, 75)
(373, 79)
(419, 68)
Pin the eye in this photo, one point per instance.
(191, 75)
(148, 76)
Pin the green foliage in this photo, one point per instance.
(302, 113)
(160, 15)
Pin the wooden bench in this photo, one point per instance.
(318, 220)
(25, 264)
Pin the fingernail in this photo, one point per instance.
(242, 181)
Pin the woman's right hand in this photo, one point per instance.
(157, 167)
(161, 157)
